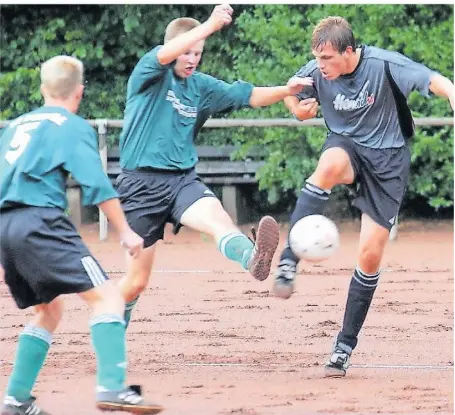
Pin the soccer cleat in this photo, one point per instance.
(338, 363)
(127, 400)
(283, 286)
(265, 243)
(11, 406)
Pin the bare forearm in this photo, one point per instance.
(302, 110)
(264, 96)
(171, 50)
(443, 87)
(115, 215)
(291, 103)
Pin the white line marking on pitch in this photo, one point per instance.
(217, 271)
(369, 366)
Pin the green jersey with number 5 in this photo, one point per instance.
(37, 152)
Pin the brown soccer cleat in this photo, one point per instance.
(266, 240)
(128, 400)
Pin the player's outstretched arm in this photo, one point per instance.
(132, 242)
(264, 96)
(443, 87)
(221, 16)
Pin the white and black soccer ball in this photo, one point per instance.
(314, 238)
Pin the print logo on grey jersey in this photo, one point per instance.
(341, 103)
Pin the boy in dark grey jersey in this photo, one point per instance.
(362, 92)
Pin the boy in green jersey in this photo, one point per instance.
(41, 254)
(168, 102)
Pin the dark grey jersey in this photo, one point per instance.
(361, 105)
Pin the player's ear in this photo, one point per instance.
(42, 90)
(80, 91)
(348, 51)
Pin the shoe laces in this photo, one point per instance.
(286, 270)
(253, 234)
(340, 354)
(287, 267)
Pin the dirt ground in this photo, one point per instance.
(207, 339)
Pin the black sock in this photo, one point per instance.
(312, 201)
(360, 295)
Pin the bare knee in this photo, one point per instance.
(138, 274)
(48, 316)
(373, 240)
(135, 281)
(330, 174)
(334, 168)
(207, 215)
(138, 282)
(370, 259)
(105, 299)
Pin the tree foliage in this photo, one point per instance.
(265, 45)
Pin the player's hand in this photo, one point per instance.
(132, 242)
(306, 109)
(296, 84)
(221, 16)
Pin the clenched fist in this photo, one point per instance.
(221, 16)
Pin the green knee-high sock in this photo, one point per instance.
(31, 353)
(108, 337)
(129, 310)
(236, 246)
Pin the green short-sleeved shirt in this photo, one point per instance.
(37, 152)
(164, 113)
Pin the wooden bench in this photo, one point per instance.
(215, 168)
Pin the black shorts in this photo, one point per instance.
(151, 198)
(44, 257)
(381, 176)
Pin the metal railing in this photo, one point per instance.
(102, 126)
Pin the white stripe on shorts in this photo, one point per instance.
(93, 270)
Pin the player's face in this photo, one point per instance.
(332, 63)
(187, 63)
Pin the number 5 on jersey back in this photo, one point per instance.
(20, 140)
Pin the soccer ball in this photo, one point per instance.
(314, 238)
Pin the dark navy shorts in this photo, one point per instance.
(151, 198)
(44, 256)
(381, 177)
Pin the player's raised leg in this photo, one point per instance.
(334, 167)
(207, 215)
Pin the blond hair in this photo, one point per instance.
(335, 30)
(61, 75)
(179, 26)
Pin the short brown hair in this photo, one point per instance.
(179, 26)
(335, 30)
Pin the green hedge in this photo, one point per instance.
(265, 45)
